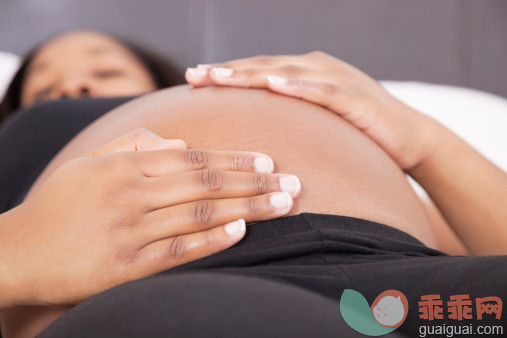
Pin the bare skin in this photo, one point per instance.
(341, 170)
(225, 119)
(147, 209)
(93, 64)
(84, 63)
(124, 211)
(468, 190)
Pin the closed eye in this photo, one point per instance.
(43, 93)
(109, 73)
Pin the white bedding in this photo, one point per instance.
(9, 63)
(478, 117)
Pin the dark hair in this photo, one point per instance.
(162, 71)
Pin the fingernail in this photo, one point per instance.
(276, 80)
(176, 143)
(235, 227)
(281, 200)
(263, 164)
(205, 66)
(290, 184)
(221, 72)
(199, 72)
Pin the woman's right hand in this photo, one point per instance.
(114, 216)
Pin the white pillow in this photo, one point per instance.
(479, 118)
(9, 64)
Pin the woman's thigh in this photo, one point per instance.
(203, 305)
(238, 302)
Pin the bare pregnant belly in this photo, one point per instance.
(342, 171)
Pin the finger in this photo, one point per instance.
(197, 216)
(326, 94)
(263, 61)
(171, 252)
(201, 75)
(167, 162)
(138, 140)
(257, 77)
(186, 187)
(198, 77)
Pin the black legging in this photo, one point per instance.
(285, 279)
(204, 305)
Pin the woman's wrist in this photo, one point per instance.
(436, 143)
(424, 137)
(12, 287)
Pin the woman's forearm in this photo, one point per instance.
(470, 191)
(11, 293)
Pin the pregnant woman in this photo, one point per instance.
(356, 223)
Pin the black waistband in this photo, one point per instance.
(305, 235)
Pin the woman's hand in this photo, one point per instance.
(118, 215)
(408, 136)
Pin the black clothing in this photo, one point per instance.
(311, 258)
(31, 137)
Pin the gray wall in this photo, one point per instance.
(459, 42)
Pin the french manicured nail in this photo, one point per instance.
(290, 184)
(199, 72)
(205, 66)
(264, 164)
(175, 143)
(235, 227)
(281, 200)
(221, 72)
(277, 80)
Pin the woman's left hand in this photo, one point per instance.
(407, 135)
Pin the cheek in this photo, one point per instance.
(27, 93)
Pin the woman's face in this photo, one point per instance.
(84, 64)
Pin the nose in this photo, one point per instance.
(75, 87)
